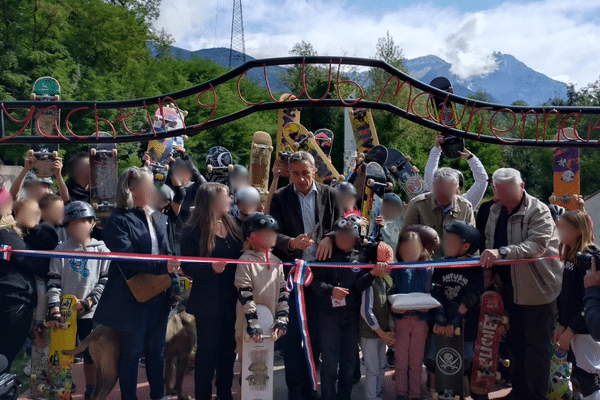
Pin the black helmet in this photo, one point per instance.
(78, 210)
(346, 188)
(351, 223)
(257, 221)
(239, 171)
(461, 179)
(468, 233)
(556, 211)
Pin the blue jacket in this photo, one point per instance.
(126, 231)
(411, 280)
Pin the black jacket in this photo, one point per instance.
(76, 192)
(17, 282)
(285, 208)
(42, 237)
(212, 294)
(126, 231)
(570, 301)
(354, 279)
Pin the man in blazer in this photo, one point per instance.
(306, 212)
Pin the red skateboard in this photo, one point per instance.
(492, 325)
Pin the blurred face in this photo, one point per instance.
(81, 172)
(301, 175)
(509, 194)
(81, 230)
(222, 203)
(54, 213)
(37, 190)
(348, 202)
(28, 216)
(389, 210)
(144, 192)
(567, 233)
(445, 191)
(345, 240)
(409, 251)
(247, 208)
(454, 245)
(182, 176)
(267, 237)
(238, 182)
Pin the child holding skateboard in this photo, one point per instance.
(390, 218)
(82, 278)
(340, 291)
(259, 283)
(36, 188)
(577, 249)
(410, 327)
(458, 289)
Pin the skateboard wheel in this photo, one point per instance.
(435, 396)
(167, 167)
(394, 169)
(209, 168)
(95, 205)
(506, 363)
(270, 148)
(114, 153)
(33, 96)
(370, 183)
(254, 146)
(66, 326)
(55, 154)
(274, 337)
(505, 320)
(408, 158)
(230, 168)
(457, 397)
(56, 97)
(498, 376)
(30, 153)
(61, 392)
(311, 135)
(457, 332)
(185, 137)
(296, 145)
(40, 388)
(93, 151)
(389, 186)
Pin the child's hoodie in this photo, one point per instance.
(79, 277)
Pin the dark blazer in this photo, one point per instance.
(126, 231)
(285, 208)
(212, 294)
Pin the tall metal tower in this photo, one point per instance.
(237, 34)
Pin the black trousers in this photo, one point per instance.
(216, 352)
(528, 340)
(17, 319)
(297, 377)
(339, 346)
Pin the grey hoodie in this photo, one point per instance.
(79, 277)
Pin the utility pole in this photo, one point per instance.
(237, 35)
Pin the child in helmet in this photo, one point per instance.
(260, 283)
(80, 277)
(340, 290)
(247, 202)
(458, 289)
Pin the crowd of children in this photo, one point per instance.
(354, 308)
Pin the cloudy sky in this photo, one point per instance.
(555, 37)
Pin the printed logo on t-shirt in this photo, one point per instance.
(451, 292)
(80, 267)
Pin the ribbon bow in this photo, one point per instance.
(300, 277)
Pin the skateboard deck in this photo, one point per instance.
(375, 184)
(59, 382)
(218, 165)
(160, 151)
(449, 366)
(103, 177)
(560, 374)
(446, 115)
(492, 325)
(364, 130)
(401, 169)
(260, 163)
(257, 359)
(184, 286)
(45, 123)
(567, 186)
(301, 139)
(324, 138)
(377, 154)
(282, 146)
(169, 118)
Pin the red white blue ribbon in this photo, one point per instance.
(300, 277)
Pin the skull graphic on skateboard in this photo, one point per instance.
(218, 165)
(449, 366)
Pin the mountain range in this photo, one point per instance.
(512, 80)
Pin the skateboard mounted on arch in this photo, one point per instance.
(103, 177)
(364, 130)
(445, 114)
(45, 123)
(567, 176)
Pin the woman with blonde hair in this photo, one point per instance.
(212, 232)
(134, 227)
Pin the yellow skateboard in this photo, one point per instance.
(364, 130)
(60, 366)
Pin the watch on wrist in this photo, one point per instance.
(503, 252)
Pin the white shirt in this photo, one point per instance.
(148, 211)
(476, 192)
(308, 207)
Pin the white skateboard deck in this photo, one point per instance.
(257, 360)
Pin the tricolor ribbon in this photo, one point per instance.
(6, 249)
(300, 277)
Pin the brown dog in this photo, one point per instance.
(104, 345)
